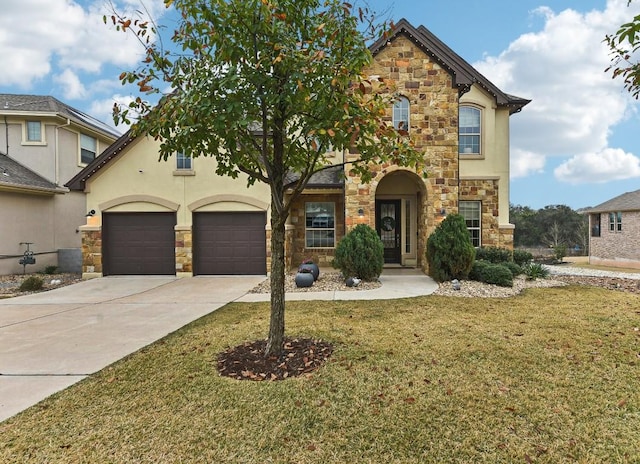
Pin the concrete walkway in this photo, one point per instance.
(51, 340)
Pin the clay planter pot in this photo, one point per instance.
(310, 267)
(304, 279)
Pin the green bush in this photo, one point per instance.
(494, 254)
(477, 270)
(535, 271)
(515, 269)
(450, 253)
(51, 270)
(360, 254)
(498, 274)
(522, 257)
(491, 273)
(31, 284)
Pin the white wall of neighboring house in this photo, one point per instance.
(49, 220)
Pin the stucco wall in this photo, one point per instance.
(619, 249)
(26, 218)
(146, 184)
(494, 160)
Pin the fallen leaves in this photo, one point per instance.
(247, 361)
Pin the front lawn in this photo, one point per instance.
(549, 376)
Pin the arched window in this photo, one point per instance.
(469, 130)
(401, 114)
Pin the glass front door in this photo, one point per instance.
(388, 226)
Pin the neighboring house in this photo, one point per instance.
(178, 217)
(43, 144)
(615, 231)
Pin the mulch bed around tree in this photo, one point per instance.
(247, 361)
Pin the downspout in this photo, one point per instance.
(6, 133)
(56, 154)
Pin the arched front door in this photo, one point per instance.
(400, 198)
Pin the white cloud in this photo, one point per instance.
(73, 89)
(525, 163)
(607, 165)
(37, 35)
(575, 104)
(103, 109)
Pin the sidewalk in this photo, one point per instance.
(396, 283)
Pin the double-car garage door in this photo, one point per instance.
(223, 243)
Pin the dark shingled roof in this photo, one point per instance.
(10, 103)
(331, 177)
(15, 175)
(629, 201)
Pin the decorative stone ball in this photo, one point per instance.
(312, 267)
(304, 279)
(352, 282)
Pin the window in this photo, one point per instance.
(471, 212)
(401, 114)
(88, 148)
(320, 225)
(183, 162)
(469, 130)
(33, 131)
(615, 222)
(595, 225)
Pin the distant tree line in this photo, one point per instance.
(551, 226)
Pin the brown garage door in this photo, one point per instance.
(138, 243)
(228, 243)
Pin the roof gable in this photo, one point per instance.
(464, 75)
(629, 201)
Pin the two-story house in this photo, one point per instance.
(178, 217)
(43, 144)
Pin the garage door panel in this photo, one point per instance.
(139, 243)
(229, 243)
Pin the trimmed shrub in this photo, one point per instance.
(360, 254)
(31, 284)
(535, 271)
(450, 253)
(521, 257)
(478, 269)
(497, 274)
(494, 254)
(515, 269)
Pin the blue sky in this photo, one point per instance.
(576, 144)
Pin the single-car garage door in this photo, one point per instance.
(226, 243)
(138, 243)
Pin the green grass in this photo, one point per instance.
(550, 376)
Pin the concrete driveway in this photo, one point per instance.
(51, 340)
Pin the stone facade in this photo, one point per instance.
(184, 250)
(486, 191)
(616, 248)
(433, 117)
(321, 256)
(91, 250)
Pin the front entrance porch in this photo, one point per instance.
(398, 206)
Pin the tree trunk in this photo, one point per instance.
(276, 324)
